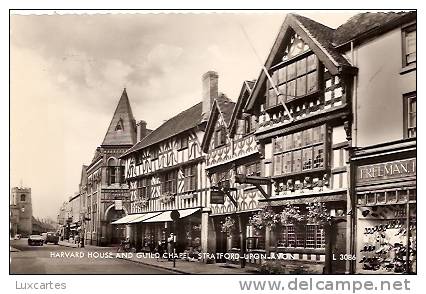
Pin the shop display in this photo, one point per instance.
(388, 243)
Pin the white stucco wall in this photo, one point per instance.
(380, 88)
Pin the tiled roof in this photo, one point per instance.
(326, 42)
(225, 106)
(366, 22)
(324, 36)
(184, 121)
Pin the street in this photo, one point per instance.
(44, 260)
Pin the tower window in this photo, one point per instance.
(23, 197)
(119, 126)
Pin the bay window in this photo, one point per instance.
(300, 151)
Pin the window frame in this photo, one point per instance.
(169, 182)
(292, 236)
(405, 30)
(406, 114)
(190, 179)
(284, 152)
(290, 82)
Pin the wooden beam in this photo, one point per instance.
(231, 198)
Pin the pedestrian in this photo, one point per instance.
(170, 244)
(160, 250)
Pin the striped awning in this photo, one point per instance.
(144, 217)
(165, 216)
(127, 218)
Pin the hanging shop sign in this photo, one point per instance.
(217, 197)
(385, 171)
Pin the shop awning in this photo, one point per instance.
(144, 217)
(165, 215)
(127, 218)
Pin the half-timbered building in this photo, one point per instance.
(166, 172)
(302, 108)
(232, 150)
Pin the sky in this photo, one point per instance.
(67, 74)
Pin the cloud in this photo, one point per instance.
(68, 73)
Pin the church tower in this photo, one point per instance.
(21, 198)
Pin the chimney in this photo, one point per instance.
(210, 92)
(140, 130)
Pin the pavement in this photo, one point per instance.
(55, 259)
(181, 266)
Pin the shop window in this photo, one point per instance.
(190, 178)
(409, 43)
(380, 197)
(391, 196)
(410, 115)
(371, 198)
(412, 194)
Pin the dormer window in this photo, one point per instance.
(119, 126)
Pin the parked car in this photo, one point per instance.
(51, 237)
(44, 236)
(35, 240)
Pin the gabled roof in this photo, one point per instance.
(319, 39)
(364, 24)
(184, 121)
(221, 106)
(123, 116)
(241, 103)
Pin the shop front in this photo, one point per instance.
(154, 231)
(236, 236)
(308, 235)
(386, 208)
